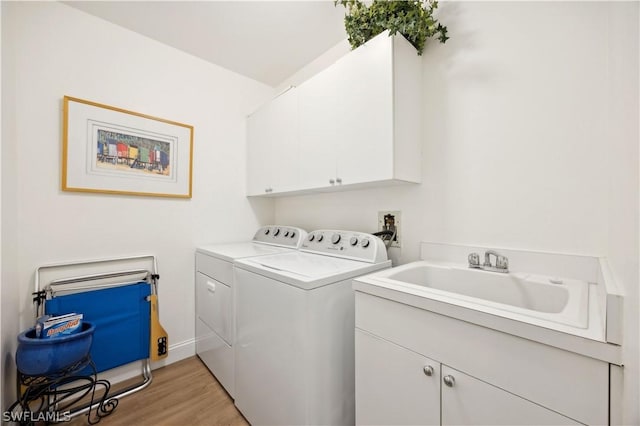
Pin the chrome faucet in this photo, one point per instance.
(501, 265)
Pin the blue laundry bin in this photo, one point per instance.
(42, 357)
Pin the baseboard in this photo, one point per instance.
(177, 352)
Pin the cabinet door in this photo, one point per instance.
(469, 401)
(318, 103)
(259, 172)
(272, 148)
(365, 113)
(392, 387)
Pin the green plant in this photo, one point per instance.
(411, 18)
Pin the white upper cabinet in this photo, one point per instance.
(358, 124)
(272, 146)
(317, 117)
(365, 140)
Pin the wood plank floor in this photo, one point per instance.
(183, 393)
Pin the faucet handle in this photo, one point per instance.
(474, 260)
(502, 262)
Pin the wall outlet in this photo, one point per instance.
(389, 221)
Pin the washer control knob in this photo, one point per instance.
(286, 234)
(276, 232)
(266, 231)
(311, 237)
(335, 238)
(293, 234)
(365, 243)
(353, 241)
(320, 238)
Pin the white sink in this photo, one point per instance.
(567, 301)
(559, 300)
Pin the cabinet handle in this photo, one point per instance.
(331, 181)
(428, 370)
(449, 380)
(339, 180)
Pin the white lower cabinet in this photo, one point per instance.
(397, 386)
(476, 375)
(394, 386)
(469, 401)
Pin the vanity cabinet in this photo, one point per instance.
(469, 401)
(397, 386)
(394, 386)
(272, 146)
(477, 375)
(357, 123)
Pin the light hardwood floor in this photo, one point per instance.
(183, 393)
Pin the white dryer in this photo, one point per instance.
(295, 329)
(215, 294)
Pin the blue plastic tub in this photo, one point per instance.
(41, 357)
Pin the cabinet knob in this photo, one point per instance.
(449, 380)
(331, 181)
(339, 180)
(428, 370)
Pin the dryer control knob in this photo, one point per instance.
(293, 234)
(320, 238)
(310, 237)
(365, 243)
(353, 241)
(286, 234)
(335, 238)
(276, 232)
(266, 231)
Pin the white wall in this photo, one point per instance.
(624, 212)
(55, 50)
(530, 141)
(9, 287)
(1, 340)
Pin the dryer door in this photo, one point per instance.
(213, 304)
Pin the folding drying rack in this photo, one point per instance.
(115, 295)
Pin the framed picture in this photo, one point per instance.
(114, 151)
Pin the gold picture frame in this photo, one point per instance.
(110, 150)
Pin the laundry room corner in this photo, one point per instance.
(92, 59)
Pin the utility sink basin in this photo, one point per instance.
(559, 300)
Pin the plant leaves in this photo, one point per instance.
(411, 18)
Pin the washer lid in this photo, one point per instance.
(306, 270)
(230, 252)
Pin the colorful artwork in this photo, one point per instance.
(125, 152)
(114, 151)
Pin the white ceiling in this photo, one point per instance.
(265, 40)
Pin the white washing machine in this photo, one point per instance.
(215, 294)
(295, 329)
